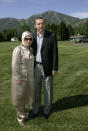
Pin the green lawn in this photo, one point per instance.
(70, 102)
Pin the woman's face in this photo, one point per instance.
(28, 40)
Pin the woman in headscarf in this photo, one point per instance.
(22, 77)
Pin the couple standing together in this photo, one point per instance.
(36, 59)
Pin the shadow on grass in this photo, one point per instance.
(70, 102)
(66, 103)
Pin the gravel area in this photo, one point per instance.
(81, 44)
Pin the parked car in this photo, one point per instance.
(14, 39)
(83, 39)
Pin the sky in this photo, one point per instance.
(22, 9)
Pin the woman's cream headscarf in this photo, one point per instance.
(24, 34)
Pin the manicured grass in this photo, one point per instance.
(70, 101)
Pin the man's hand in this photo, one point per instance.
(53, 72)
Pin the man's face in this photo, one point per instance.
(40, 25)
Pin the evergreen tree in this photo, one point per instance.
(1, 36)
(63, 31)
(8, 33)
(24, 27)
(85, 28)
(70, 29)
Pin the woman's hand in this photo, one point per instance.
(19, 82)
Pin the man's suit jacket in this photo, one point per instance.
(49, 52)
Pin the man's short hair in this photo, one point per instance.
(40, 17)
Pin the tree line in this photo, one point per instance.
(63, 31)
(7, 34)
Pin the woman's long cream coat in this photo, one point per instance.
(22, 69)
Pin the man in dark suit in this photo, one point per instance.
(46, 65)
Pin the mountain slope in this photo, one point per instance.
(50, 17)
(53, 17)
